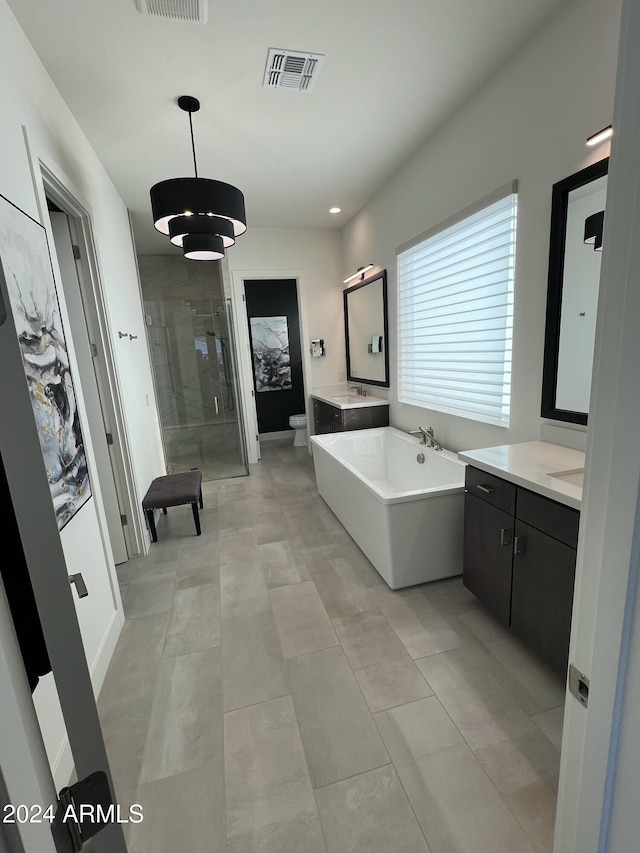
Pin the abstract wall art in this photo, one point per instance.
(36, 315)
(271, 359)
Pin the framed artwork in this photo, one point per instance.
(271, 359)
(33, 299)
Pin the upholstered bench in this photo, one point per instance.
(173, 490)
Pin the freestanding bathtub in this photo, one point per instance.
(405, 515)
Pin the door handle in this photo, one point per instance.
(488, 490)
(519, 545)
(81, 587)
(505, 535)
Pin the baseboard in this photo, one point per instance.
(63, 766)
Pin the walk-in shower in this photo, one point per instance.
(190, 331)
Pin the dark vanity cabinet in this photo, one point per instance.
(519, 560)
(327, 418)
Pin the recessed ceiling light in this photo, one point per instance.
(600, 136)
(335, 210)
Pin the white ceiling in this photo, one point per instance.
(394, 72)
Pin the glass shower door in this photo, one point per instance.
(191, 339)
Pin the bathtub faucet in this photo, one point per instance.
(427, 437)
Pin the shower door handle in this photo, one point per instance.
(215, 399)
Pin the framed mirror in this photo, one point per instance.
(366, 328)
(577, 220)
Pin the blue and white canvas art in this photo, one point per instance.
(36, 315)
(271, 359)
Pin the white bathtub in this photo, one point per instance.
(405, 516)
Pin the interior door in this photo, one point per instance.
(30, 493)
(97, 425)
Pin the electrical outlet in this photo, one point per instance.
(342, 376)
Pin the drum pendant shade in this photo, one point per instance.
(199, 224)
(201, 215)
(193, 196)
(203, 247)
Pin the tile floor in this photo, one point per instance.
(270, 694)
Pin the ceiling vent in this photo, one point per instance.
(175, 10)
(292, 69)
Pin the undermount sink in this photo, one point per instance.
(575, 477)
(349, 398)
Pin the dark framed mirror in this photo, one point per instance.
(366, 328)
(577, 219)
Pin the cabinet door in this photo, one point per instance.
(542, 598)
(488, 550)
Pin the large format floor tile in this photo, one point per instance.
(369, 813)
(253, 669)
(301, 620)
(267, 658)
(185, 728)
(419, 625)
(338, 733)
(391, 682)
(269, 799)
(182, 812)
(194, 620)
(367, 638)
(481, 709)
(459, 809)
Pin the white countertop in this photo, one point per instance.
(343, 398)
(531, 465)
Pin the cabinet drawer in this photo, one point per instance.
(549, 517)
(493, 490)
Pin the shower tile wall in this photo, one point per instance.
(192, 356)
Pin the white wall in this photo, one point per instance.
(530, 122)
(28, 98)
(316, 255)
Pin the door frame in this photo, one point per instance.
(31, 497)
(245, 364)
(50, 181)
(606, 593)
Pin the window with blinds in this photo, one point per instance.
(455, 316)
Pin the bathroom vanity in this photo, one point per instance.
(521, 519)
(343, 411)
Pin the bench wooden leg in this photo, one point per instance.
(201, 504)
(196, 517)
(164, 510)
(152, 524)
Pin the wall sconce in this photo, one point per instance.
(593, 230)
(359, 273)
(317, 348)
(600, 136)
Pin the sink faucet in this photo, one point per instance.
(427, 437)
(360, 391)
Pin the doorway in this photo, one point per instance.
(274, 335)
(69, 254)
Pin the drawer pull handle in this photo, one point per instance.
(519, 545)
(488, 490)
(505, 536)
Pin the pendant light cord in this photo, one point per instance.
(193, 145)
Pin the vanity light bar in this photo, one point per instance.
(600, 136)
(358, 273)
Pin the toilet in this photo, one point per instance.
(299, 424)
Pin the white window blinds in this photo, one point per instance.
(455, 316)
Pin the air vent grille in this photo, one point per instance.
(292, 69)
(175, 10)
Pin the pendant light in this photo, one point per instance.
(201, 215)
